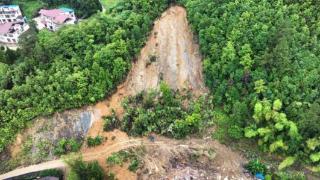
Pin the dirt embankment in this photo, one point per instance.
(170, 55)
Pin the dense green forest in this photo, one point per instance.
(75, 66)
(83, 8)
(261, 61)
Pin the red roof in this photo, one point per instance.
(4, 28)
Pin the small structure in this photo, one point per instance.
(54, 19)
(12, 25)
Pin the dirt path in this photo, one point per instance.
(88, 156)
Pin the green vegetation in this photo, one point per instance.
(65, 146)
(261, 61)
(109, 3)
(81, 170)
(290, 176)
(164, 112)
(126, 156)
(116, 158)
(111, 122)
(96, 141)
(83, 8)
(51, 172)
(255, 166)
(29, 8)
(75, 66)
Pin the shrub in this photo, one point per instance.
(110, 122)
(115, 159)
(166, 112)
(255, 166)
(125, 156)
(119, 157)
(96, 141)
(65, 146)
(290, 175)
(134, 165)
(235, 132)
(83, 170)
(52, 172)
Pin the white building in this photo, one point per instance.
(54, 19)
(9, 13)
(10, 32)
(12, 25)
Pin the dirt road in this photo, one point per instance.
(228, 163)
(89, 156)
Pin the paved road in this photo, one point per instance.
(57, 164)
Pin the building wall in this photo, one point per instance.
(49, 22)
(53, 26)
(13, 38)
(9, 14)
(9, 38)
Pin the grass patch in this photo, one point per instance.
(65, 146)
(94, 141)
(132, 157)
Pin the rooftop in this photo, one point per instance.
(51, 13)
(5, 28)
(9, 6)
(59, 15)
(66, 9)
(61, 18)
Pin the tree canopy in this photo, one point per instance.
(258, 53)
(75, 66)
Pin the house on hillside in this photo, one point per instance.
(54, 19)
(12, 25)
(10, 13)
